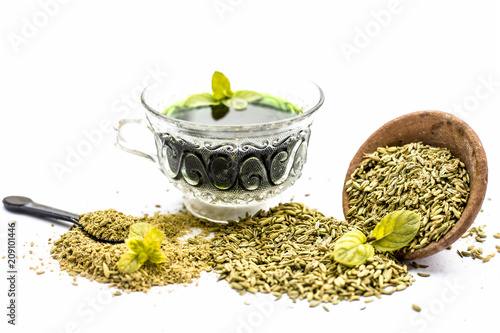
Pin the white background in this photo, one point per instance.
(68, 68)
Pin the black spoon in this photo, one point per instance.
(26, 205)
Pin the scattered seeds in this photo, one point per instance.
(415, 264)
(416, 307)
(488, 257)
(423, 274)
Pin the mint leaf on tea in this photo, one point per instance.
(277, 103)
(235, 103)
(221, 86)
(247, 95)
(219, 111)
(197, 100)
(395, 230)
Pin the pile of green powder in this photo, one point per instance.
(108, 224)
(79, 254)
(287, 250)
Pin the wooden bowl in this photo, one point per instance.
(439, 129)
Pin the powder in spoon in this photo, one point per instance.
(107, 224)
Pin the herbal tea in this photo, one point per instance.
(263, 163)
(254, 113)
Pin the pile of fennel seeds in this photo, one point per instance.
(289, 250)
(427, 180)
(284, 251)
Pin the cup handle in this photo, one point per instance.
(122, 143)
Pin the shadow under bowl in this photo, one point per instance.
(439, 129)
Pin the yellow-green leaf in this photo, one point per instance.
(157, 256)
(395, 230)
(153, 238)
(129, 263)
(136, 245)
(235, 103)
(247, 95)
(277, 103)
(351, 250)
(197, 100)
(221, 86)
(138, 230)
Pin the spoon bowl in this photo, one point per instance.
(439, 129)
(20, 204)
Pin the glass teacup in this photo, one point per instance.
(228, 171)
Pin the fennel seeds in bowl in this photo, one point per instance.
(427, 180)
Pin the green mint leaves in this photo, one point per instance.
(144, 243)
(393, 232)
(221, 87)
(195, 101)
(222, 95)
(223, 98)
(351, 249)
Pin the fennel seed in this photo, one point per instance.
(427, 180)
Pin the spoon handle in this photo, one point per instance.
(26, 205)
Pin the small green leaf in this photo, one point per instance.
(247, 95)
(351, 250)
(278, 104)
(144, 244)
(235, 103)
(153, 238)
(197, 100)
(156, 256)
(219, 111)
(395, 230)
(221, 86)
(129, 262)
(136, 245)
(138, 230)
